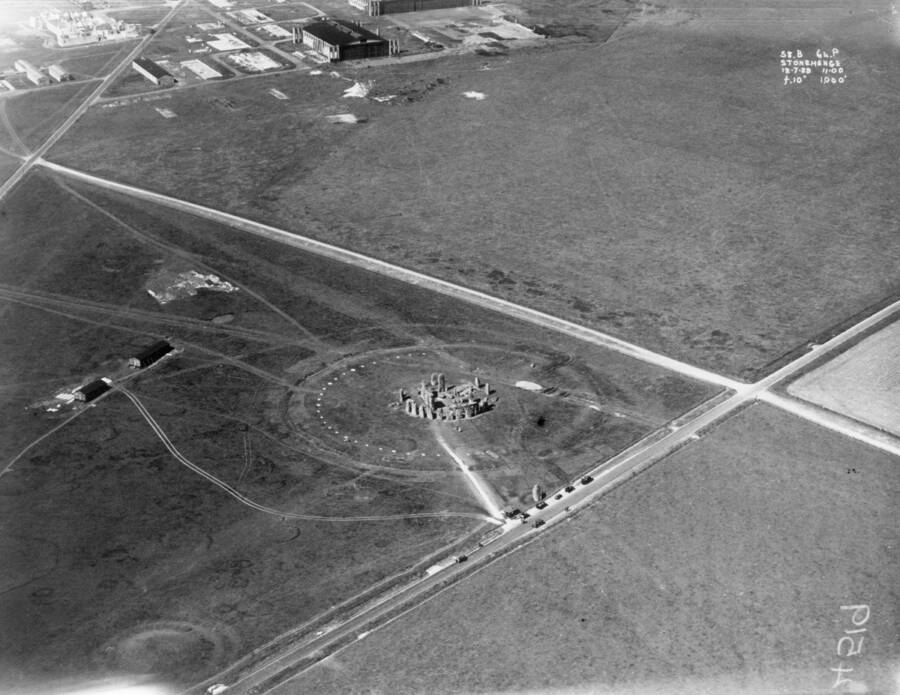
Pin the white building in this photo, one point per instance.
(31, 72)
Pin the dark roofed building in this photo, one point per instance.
(339, 40)
(379, 7)
(150, 354)
(154, 72)
(90, 391)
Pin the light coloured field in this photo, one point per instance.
(863, 383)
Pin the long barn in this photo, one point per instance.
(150, 354)
(153, 71)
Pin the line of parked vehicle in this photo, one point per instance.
(544, 503)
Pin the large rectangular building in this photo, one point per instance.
(154, 72)
(150, 354)
(90, 391)
(379, 7)
(59, 73)
(31, 72)
(338, 40)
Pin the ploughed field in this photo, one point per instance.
(164, 573)
(862, 382)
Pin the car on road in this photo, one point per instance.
(216, 689)
(539, 522)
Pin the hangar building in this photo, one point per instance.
(154, 72)
(90, 391)
(379, 7)
(338, 40)
(31, 72)
(150, 354)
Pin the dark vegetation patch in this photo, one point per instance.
(35, 114)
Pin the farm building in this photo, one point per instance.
(59, 73)
(338, 40)
(379, 7)
(90, 391)
(150, 354)
(154, 72)
(31, 72)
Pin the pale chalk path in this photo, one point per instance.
(481, 489)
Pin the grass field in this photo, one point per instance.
(579, 20)
(34, 115)
(862, 382)
(167, 575)
(665, 186)
(8, 166)
(723, 568)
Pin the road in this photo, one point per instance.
(408, 276)
(303, 655)
(54, 137)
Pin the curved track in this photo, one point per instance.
(260, 507)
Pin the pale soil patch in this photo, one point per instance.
(863, 383)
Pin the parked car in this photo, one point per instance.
(587, 479)
(570, 488)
